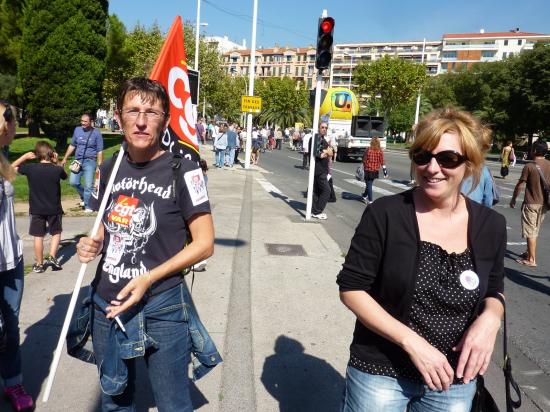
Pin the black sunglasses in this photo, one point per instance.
(449, 159)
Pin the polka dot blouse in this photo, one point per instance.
(444, 299)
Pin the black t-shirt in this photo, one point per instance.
(44, 187)
(322, 164)
(144, 222)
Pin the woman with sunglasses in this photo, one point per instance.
(11, 273)
(424, 276)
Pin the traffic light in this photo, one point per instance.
(324, 43)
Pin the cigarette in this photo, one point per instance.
(120, 324)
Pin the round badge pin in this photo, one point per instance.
(469, 279)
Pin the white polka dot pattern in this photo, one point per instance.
(440, 310)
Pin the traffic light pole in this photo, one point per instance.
(311, 144)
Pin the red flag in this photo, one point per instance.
(171, 70)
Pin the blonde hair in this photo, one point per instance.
(475, 138)
(6, 170)
(375, 143)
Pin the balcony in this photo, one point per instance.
(472, 46)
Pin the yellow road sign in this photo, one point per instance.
(251, 104)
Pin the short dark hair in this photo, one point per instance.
(149, 90)
(43, 150)
(540, 148)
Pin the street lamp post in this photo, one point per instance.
(251, 85)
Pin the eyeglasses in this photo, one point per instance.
(449, 159)
(151, 114)
(324, 127)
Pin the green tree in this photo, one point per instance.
(144, 46)
(392, 80)
(283, 103)
(62, 62)
(530, 100)
(11, 27)
(117, 61)
(402, 117)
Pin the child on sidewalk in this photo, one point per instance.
(44, 201)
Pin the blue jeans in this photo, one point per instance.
(368, 189)
(230, 156)
(366, 392)
(88, 172)
(167, 364)
(11, 293)
(220, 157)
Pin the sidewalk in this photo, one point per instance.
(268, 298)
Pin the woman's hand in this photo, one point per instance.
(431, 363)
(476, 346)
(136, 288)
(88, 248)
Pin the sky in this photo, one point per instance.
(293, 22)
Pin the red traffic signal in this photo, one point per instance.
(325, 39)
(327, 24)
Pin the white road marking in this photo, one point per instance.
(516, 243)
(268, 186)
(295, 158)
(374, 188)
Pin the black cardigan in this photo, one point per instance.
(383, 260)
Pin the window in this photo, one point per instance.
(310, 70)
(288, 58)
(520, 41)
(449, 55)
(504, 55)
(506, 42)
(488, 54)
(303, 70)
(444, 67)
(234, 59)
(287, 70)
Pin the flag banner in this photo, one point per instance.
(171, 70)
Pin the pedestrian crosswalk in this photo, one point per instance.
(382, 186)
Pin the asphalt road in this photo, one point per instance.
(527, 289)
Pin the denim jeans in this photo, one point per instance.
(368, 189)
(366, 392)
(11, 293)
(220, 157)
(167, 362)
(230, 156)
(87, 171)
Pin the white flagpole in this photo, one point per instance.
(80, 279)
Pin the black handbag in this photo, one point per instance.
(483, 401)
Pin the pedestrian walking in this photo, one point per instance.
(87, 145)
(232, 139)
(279, 139)
(424, 276)
(305, 149)
(534, 177)
(506, 157)
(321, 185)
(45, 209)
(11, 273)
(139, 275)
(373, 159)
(220, 145)
(201, 132)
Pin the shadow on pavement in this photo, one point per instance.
(67, 249)
(299, 207)
(229, 242)
(523, 279)
(301, 382)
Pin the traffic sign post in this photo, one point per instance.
(251, 104)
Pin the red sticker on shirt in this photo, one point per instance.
(123, 210)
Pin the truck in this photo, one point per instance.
(354, 136)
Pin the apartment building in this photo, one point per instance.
(295, 62)
(461, 49)
(440, 56)
(347, 56)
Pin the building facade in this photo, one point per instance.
(465, 49)
(440, 56)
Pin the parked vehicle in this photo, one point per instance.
(354, 136)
